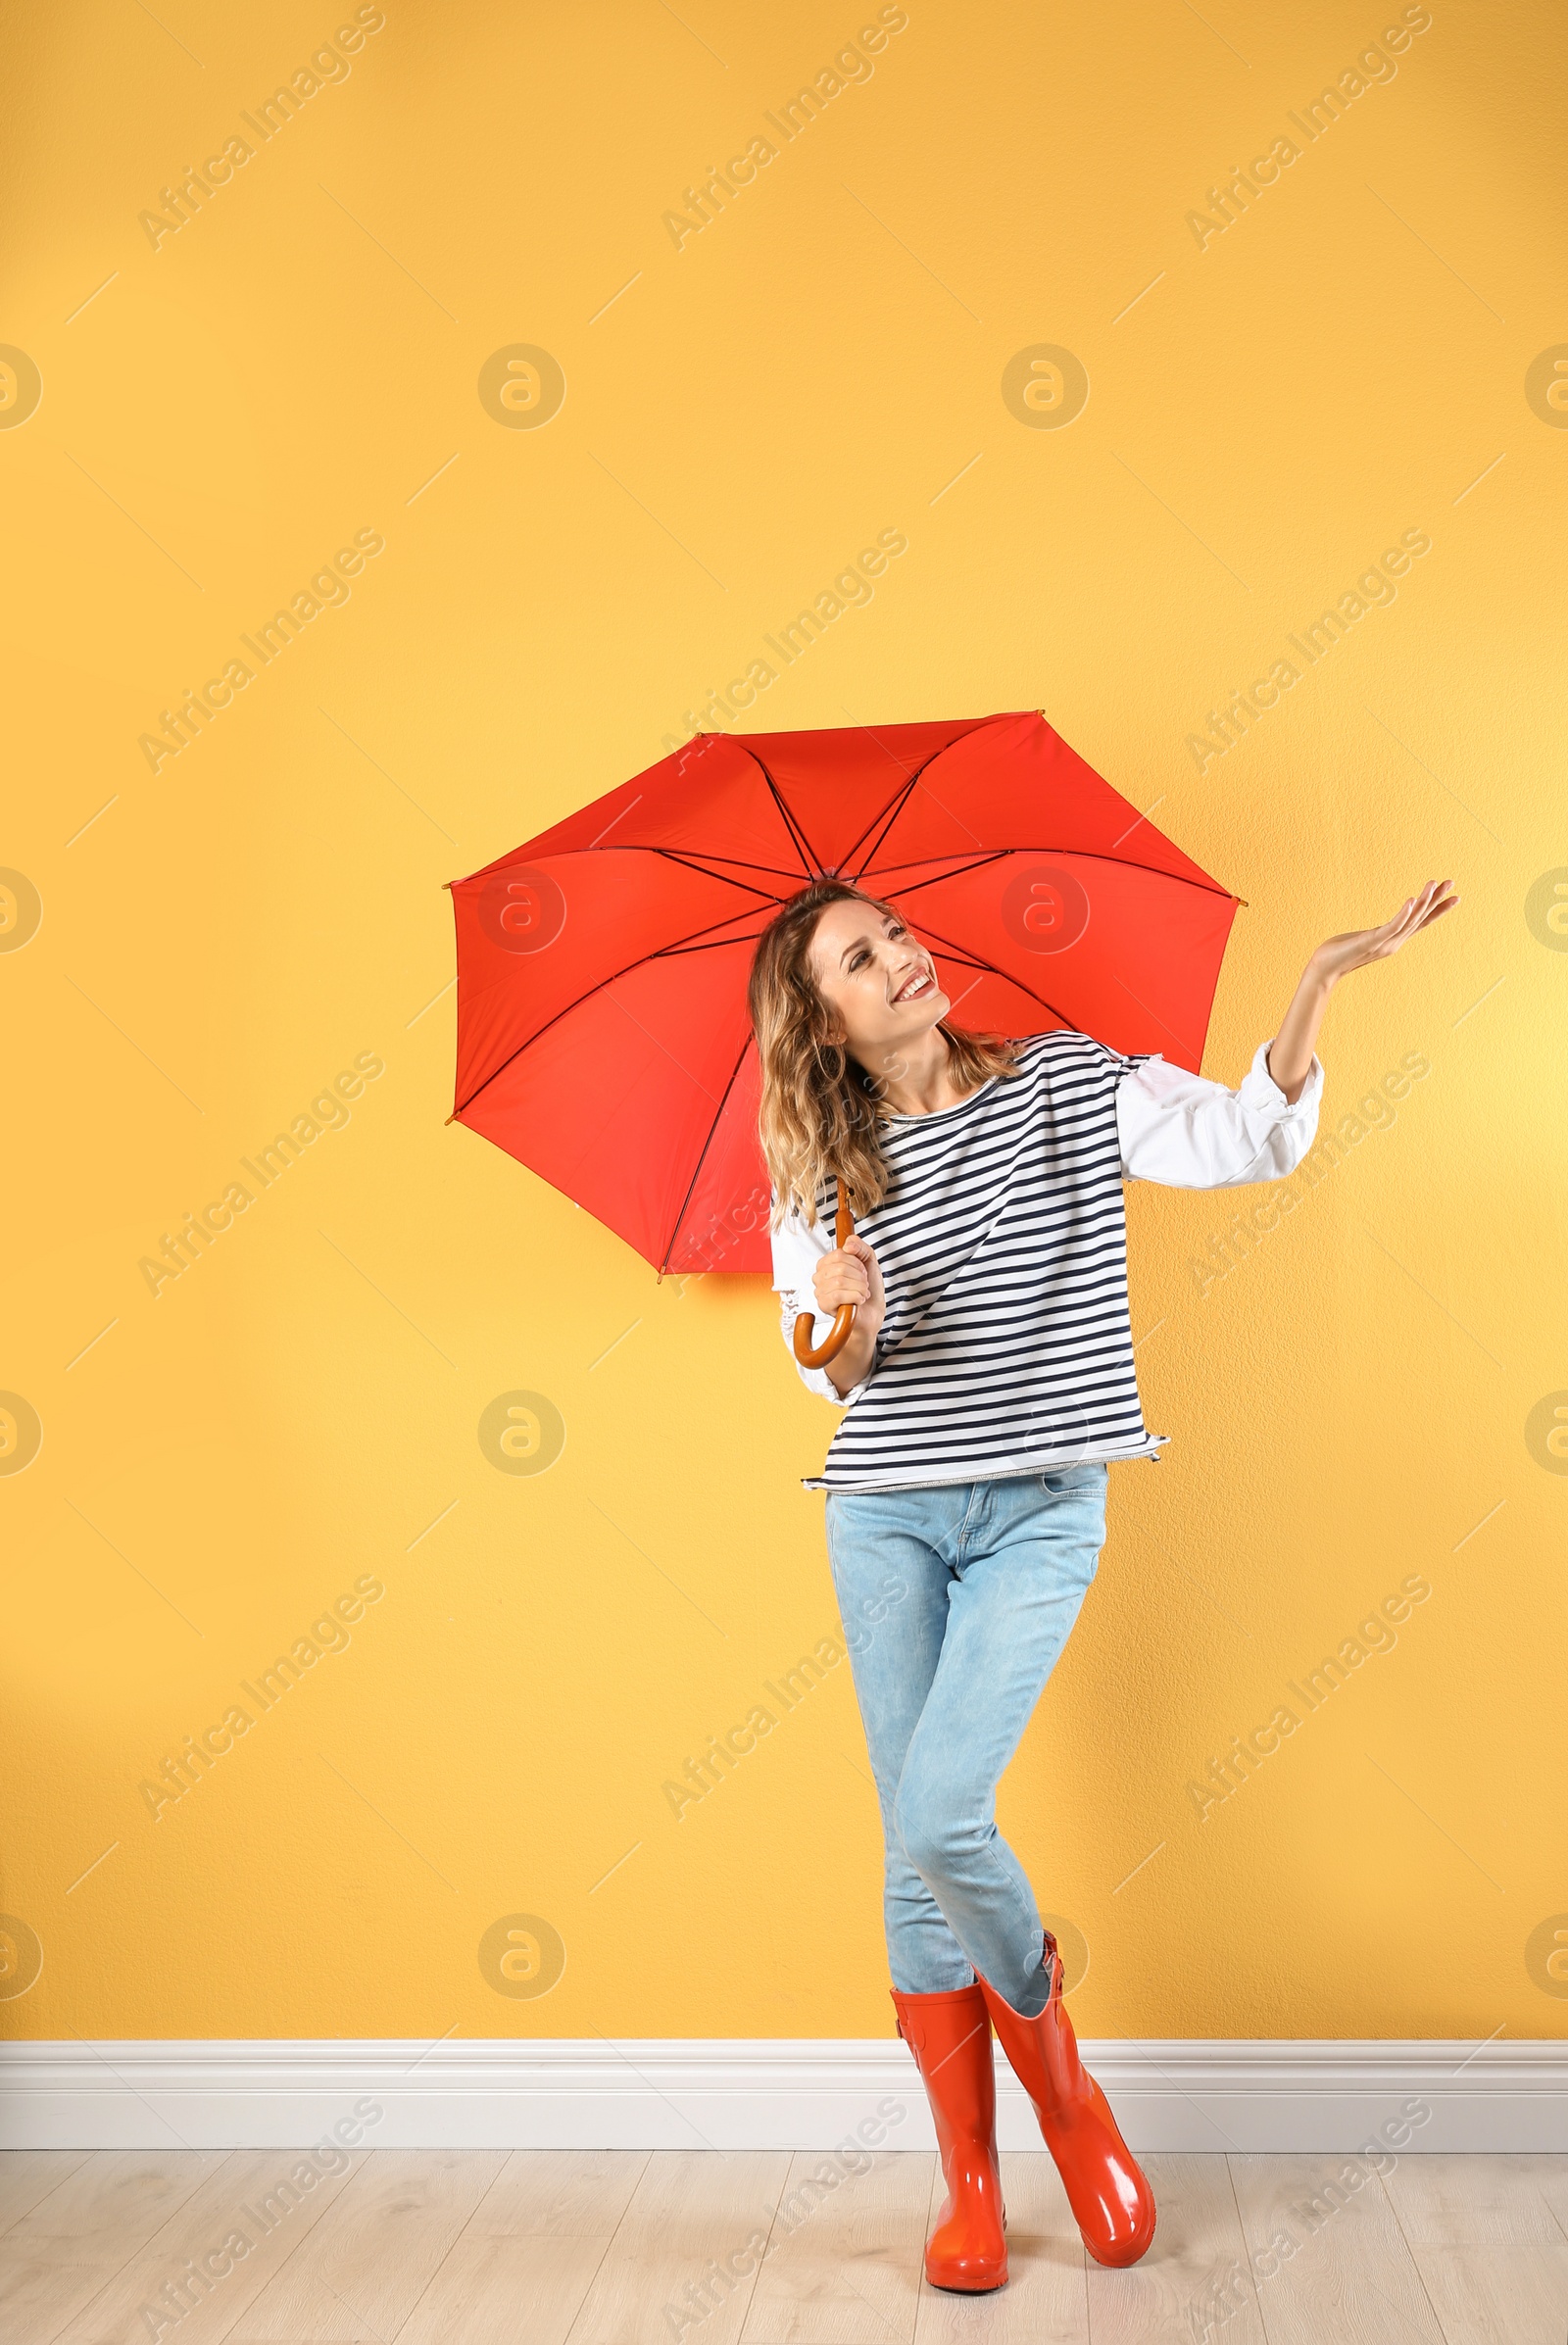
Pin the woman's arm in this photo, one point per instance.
(1290, 1057)
(1185, 1132)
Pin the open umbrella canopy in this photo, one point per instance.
(603, 1035)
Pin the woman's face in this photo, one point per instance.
(879, 982)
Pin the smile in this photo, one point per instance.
(922, 982)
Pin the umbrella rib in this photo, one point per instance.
(1122, 863)
(687, 861)
(1009, 979)
(714, 944)
(997, 855)
(703, 945)
(810, 861)
(742, 862)
(688, 944)
(1088, 854)
(901, 797)
(660, 953)
(974, 961)
(886, 819)
(642, 847)
(890, 812)
(701, 1156)
(986, 856)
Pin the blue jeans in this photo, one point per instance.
(957, 1600)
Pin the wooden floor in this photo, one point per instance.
(623, 2248)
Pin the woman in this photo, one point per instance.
(988, 1384)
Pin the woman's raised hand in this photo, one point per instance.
(852, 1274)
(1337, 955)
(1290, 1057)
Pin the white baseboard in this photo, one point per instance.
(674, 2093)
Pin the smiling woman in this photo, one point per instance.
(987, 1377)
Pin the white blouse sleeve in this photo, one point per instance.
(1188, 1133)
(797, 1250)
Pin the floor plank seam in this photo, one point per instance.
(642, 2172)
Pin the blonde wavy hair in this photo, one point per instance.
(822, 1115)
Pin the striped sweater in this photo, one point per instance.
(1007, 1347)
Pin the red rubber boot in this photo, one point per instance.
(1106, 2188)
(949, 2036)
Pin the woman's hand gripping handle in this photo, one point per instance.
(848, 1281)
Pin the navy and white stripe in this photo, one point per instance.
(1007, 1347)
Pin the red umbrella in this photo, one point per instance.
(603, 1036)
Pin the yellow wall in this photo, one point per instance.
(1269, 409)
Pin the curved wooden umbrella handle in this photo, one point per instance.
(838, 1334)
